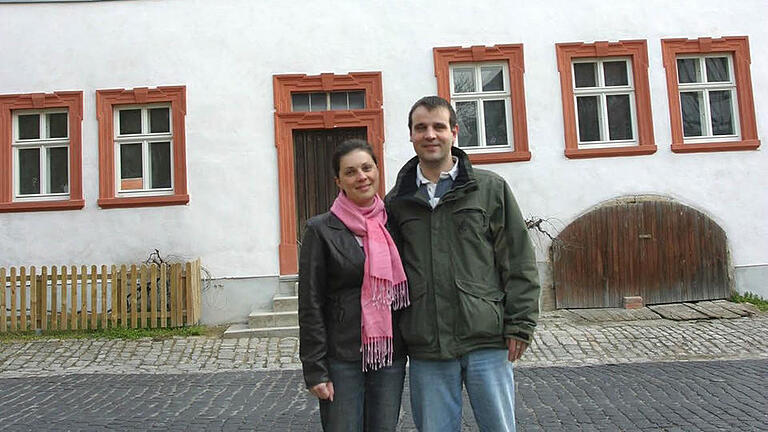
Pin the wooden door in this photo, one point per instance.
(660, 250)
(314, 177)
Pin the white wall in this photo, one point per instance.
(226, 51)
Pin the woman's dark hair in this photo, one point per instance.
(348, 146)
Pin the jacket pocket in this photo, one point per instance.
(480, 311)
(470, 222)
(416, 321)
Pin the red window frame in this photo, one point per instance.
(738, 47)
(637, 50)
(106, 100)
(513, 55)
(73, 101)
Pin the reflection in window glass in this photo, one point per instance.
(495, 122)
(29, 126)
(58, 170)
(688, 70)
(159, 120)
(318, 102)
(722, 112)
(467, 118)
(357, 100)
(130, 161)
(493, 78)
(589, 125)
(130, 121)
(300, 102)
(693, 117)
(615, 73)
(160, 164)
(29, 171)
(717, 69)
(57, 125)
(619, 117)
(463, 80)
(338, 100)
(584, 74)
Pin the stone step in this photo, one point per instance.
(242, 330)
(285, 303)
(273, 319)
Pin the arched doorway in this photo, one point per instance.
(658, 249)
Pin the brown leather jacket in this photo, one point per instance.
(330, 276)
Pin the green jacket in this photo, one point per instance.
(471, 268)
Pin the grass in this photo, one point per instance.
(748, 297)
(112, 333)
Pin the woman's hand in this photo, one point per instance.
(323, 390)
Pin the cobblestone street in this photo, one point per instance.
(644, 375)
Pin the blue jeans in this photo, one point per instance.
(363, 401)
(436, 391)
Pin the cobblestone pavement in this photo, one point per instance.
(558, 342)
(671, 396)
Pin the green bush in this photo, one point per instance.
(748, 297)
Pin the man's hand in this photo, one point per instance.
(323, 390)
(516, 349)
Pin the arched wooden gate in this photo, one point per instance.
(658, 249)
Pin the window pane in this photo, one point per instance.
(688, 70)
(357, 100)
(159, 120)
(57, 125)
(160, 164)
(29, 171)
(300, 102)
(619, 117)
(339, 100)
(58, 172)
(722, 118)
(130, 121)
(717, 69)
(584, 74)
(493, 78)
(615, 73)
(463, 80)
(130, 161)
(495, 122)
(29, 126)
(318, 102)
(466, 113)
(690, 103)
(589, 125)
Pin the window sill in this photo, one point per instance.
(146, 201)
(31, 206)
(499, 157)
(715, 146)
(610, 152)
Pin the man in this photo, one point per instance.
(472, 278)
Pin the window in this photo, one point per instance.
(710, 94)
(142, 147)
(326, 101)
(485, 86)
(480, 95)
(41, 152)
(606, 99)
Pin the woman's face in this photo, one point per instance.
(358, 177)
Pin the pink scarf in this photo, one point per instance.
(384, 283)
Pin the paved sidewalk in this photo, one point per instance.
(560, 340)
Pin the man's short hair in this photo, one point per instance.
(431, 103)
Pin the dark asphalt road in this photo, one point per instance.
(706, 396)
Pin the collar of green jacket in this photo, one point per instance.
(405, 186)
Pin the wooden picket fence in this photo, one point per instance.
(65, 298)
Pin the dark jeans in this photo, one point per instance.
(363, 401)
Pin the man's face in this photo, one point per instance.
(432, 135)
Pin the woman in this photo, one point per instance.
(350, 280)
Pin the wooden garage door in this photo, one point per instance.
(661, 250)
